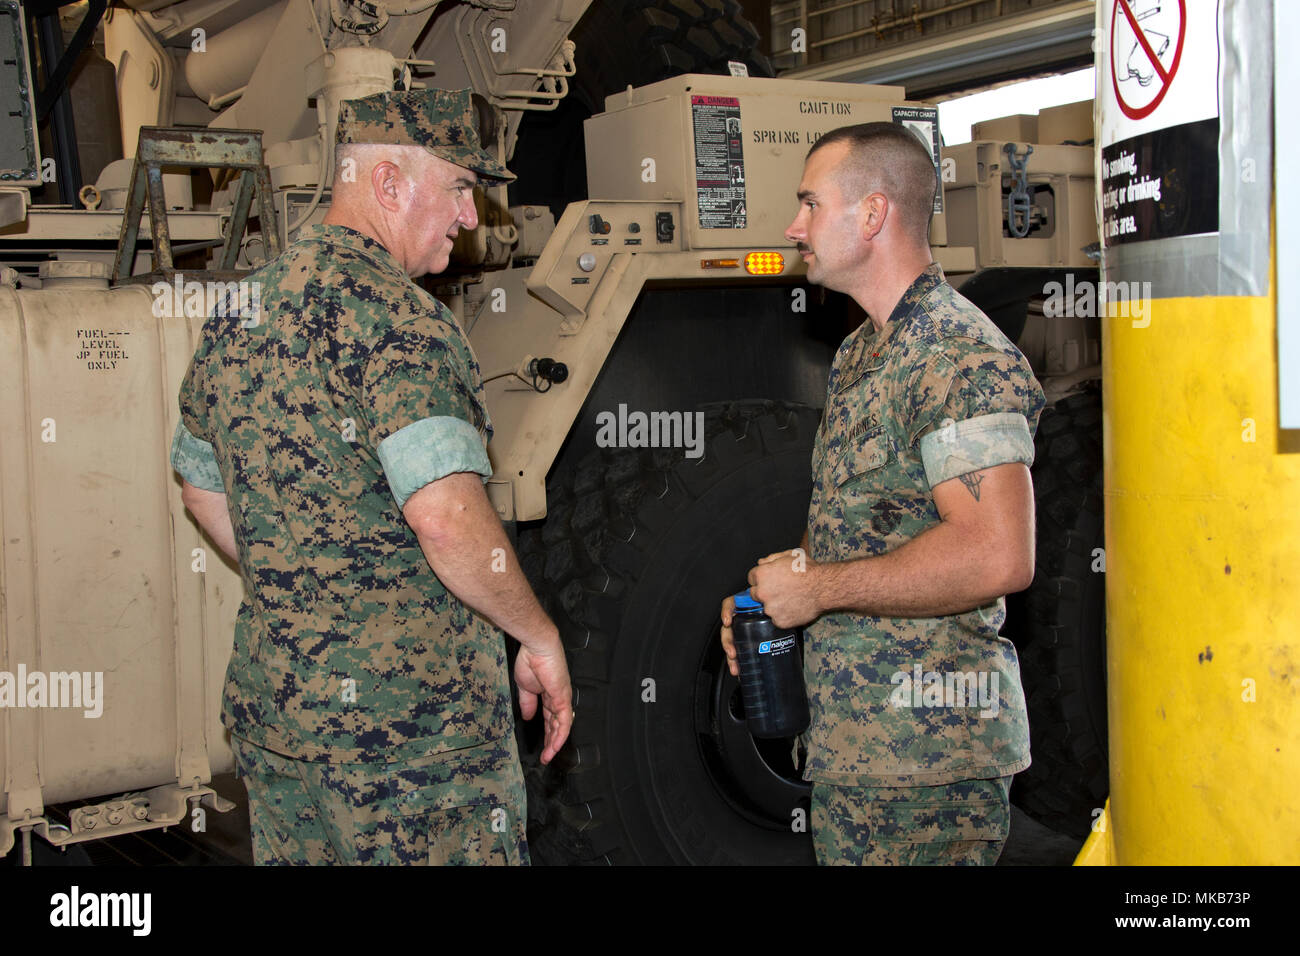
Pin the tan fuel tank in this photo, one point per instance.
(114, 632)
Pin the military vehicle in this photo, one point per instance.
(655, 364)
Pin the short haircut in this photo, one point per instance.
(365, 156)
(887, 158)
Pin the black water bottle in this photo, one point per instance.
(771, 672)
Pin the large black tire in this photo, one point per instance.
(1059, 624)
(637, 552)
(1004, 294)
(623, 43)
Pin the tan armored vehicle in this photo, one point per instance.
(655, 365)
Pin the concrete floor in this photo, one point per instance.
(1032, 844)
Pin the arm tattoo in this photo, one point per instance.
(972, 483)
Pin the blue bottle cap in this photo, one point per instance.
(746, 603)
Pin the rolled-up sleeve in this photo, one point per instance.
(423, 418)
(974, 406)
(958, 448)
(195, 460)
(430, 449)
(192, 455)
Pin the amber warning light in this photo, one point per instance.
(764, 263)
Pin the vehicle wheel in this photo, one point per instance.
(623, 43)
(1004, 294)
(637, 553)
(1059, 623)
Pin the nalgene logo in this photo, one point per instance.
(780, 644)
(765, 647)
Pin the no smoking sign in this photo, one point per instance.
(1159, 121)
(1146, 49)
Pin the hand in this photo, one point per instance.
(785, 584)
(728, 642)
(546, 674)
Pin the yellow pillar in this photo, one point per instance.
(1203, 588)
(1202, 485)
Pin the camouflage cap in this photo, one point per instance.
(442, 121)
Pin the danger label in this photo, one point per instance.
(719, 162)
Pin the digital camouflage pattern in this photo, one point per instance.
(937, 392)
(350, 389)
(960, 824)
(442, 121)
(462, 807)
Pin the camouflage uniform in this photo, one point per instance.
(899, 773)
(441, 121)
(458, 807)
(357, 679)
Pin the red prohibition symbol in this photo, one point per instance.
(1166, 77)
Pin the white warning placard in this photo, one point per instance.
(1161, 67)
(1159, 128)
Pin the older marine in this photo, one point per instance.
(333, 442)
